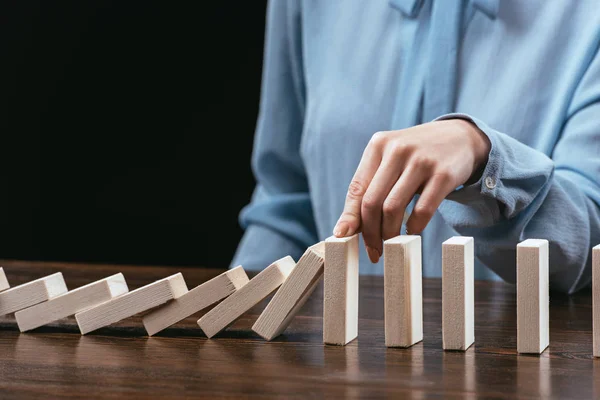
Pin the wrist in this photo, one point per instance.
(481, 146)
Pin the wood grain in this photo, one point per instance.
(120, 361)
(403, 291)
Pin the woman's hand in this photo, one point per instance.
(432, 159)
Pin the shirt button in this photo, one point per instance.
(490, 182)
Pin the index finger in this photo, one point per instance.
(349, 222)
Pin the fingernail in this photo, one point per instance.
(373, 254)
(341, 229)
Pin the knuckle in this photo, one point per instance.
(424, 211)
(423, 161)
(378, 138)
(391, 207)
(399, 148)
(444, 175)
(370, 202)
(356, 189)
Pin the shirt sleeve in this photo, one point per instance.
(523, 194)
(279, 220)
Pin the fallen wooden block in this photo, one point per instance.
(403, 292)
(532, 296)
(262, 285)
(340, 300)
(70, 303)
(596, 299)
(195, 300)
(292, 294)
(132, 303)
(32, 293)
(458, 305)
(3, 281)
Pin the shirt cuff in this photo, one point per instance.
(482, 193)
(261, 246)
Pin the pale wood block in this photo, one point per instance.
(458, 284)
(596, 299)
(132, 303)
(32, 293)
(532, 296)
(403, 291)
(233, 307)
(72, 302)
(195, 300)
(340, 302)
(292, 294)
(3, 281)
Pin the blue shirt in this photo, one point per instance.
(526, 72)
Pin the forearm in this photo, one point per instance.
(522, 194)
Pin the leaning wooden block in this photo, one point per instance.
(458, 306)
(403, 293)
(596, 299)
(71, 302)
(32, 293)
(195, 300)
(132, 303)
(340, 302)
(234, 306)
(3, 281)
(292, 294)
(532, 296)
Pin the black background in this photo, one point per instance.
(112, 116)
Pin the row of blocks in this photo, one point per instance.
(169, 301)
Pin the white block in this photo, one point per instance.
(261, 286)
(31, 293)
(195, 300)
(403, 292)
(72, 302)
(292, 294)
(458, 305)
(132, 303)
(340, 302)
(596, 298)
(532, 296)
(3, 281)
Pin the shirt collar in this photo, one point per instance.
(411, 8)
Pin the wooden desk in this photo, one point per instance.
(121, 361)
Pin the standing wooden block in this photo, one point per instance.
(234, 306)
(403, 292)
(71, 302)
(458, 305)
(129, 304)
(195, 300)
(532, 296)
(3, 281)
(32, 293)
(340, 302)
(292, 294)
(596, 299)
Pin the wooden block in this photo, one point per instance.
(403, 292)
(340, 300)
(32, 293)
(458, 305)
(132, 303)
(532, 296)
(262, 285)
(292, 294)
(596, 299)
(3, 281)
(72, 302)
(195, 300)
